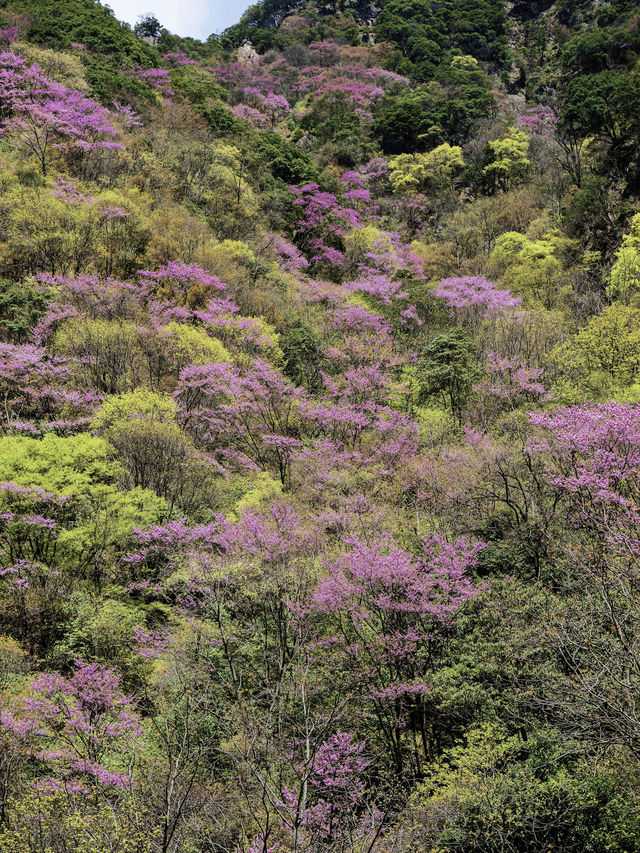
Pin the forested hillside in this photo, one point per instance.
(320, 429)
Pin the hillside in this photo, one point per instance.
(320, 429)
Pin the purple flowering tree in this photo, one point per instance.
(540, 120)
(177, 59)
(474, 298)
(591, 458)
(158, 78)
(82, 729)
(328, 808)
(181, 283)
(45, 116)
(323, 222)
(510, 382)
(390, 613)
(591, 455)
(35, 387)
(245, 417)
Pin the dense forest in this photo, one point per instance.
(320, 429)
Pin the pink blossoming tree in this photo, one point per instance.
(45, 116)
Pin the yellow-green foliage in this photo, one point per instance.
(109, 352)
(177, 233)
(140, 403)
(14, 661)
(142, 426)
(74, 825)
(75, 466)
(64, 68)
(358, 242)
(109, 628)
(263, 491)
(625, 273)
(472, 780)
(472, 229)
(194, 83)
(508, 247)
(508, 159)
(466, 63)
(44, 233)
(432, 171)
(531, 267)
(230, 263)
(602, 359)
(192, 345)
(258, 337)
(439, 260)
(362, 240)
(121, 240)
(436, 424)
(215, 179)
(84, 469)
(237, 250)
(103, 628)
(487, 788)
(230, 190)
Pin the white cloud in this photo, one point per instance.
(197, 18)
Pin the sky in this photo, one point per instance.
(197, 18)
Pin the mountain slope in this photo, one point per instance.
(320, 429)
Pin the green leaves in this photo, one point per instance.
(507, 160)
(425, 30)
(21, 306)
(94, 522)
(448, 368)
(435, 170)
(433, 113)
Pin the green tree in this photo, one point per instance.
(148, 27)
(433, 171)
(506, 160)
(21, 306)
(431, 114)
(533, 267)
(605, 105)
(602, 359)
(448, 369)
(95, 517)
(142, 427)
(624, 280)
(302, 356)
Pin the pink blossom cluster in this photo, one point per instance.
(9, 34)
(32, 383)
(177, 59)
(384, 579)
(289, 256)
(271, 103)
(235, 74)
(246, 113)
(475, 294)
(45, 115)
(324, 221)
(512, 379)
(335, 779)
(91, 722)
(541, 120)
(591, 457)
(238, 413)
(68, 192)
(323, 52)
(126, 115)
(158, 78)
(181, 274)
